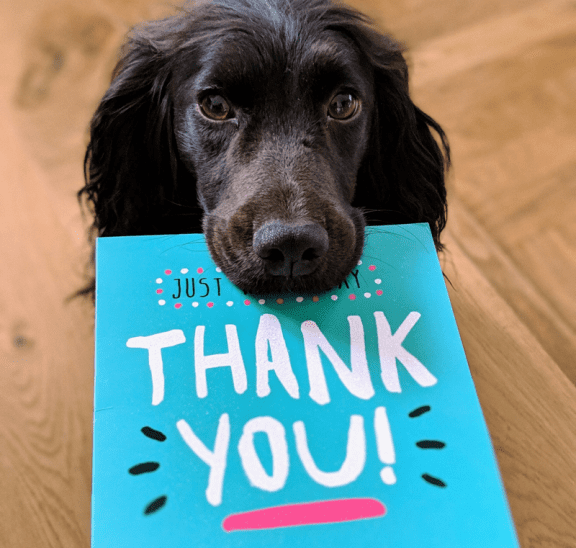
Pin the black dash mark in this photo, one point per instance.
(434, 481)
(155, 505)
(430, 444)
(153, 434)
(144, 468)
(419, 411)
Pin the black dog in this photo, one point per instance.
(277, 127)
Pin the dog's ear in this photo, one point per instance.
(402, 178)
(135, 181)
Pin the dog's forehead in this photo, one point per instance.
(243, 60)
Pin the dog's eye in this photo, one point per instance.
(343, 106)
(215, 107)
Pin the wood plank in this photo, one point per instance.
(46, 367)
(529, 405)
(551, 257)
(511, 121)
(511, 126)
(416, 21)
(556, 335)
(544, 200)
(65, 56)
(66, 53)
(495, 38)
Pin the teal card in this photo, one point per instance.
(342, 419)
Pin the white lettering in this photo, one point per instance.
(390, 348)
(232, 359)
(357, 380)
(154, 344)
(216, 459)
(251, 462)
(384, 445)
(353, 463)
(270, 333)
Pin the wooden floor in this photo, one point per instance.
(499, 76)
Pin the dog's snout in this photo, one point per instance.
(289, 249)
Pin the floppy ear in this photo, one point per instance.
(135, 181)
(402, 179)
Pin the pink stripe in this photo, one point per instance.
(306, 513)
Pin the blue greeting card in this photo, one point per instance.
(342, 419)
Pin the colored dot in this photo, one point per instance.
(280, 301)
(372, 267)
(158, 280)
(200, 270)
(161, 302)
(247, 302)
(167, 272)
(195, 304)
(352, 297)
(210, 304)
(299, 299)
(359, 263)
(184, 271)
(262, 301)
(315, 299)
(159, 291)
(178, 305)
(229, 303)
(367, 295)
(334, 297)
(378, 281)
(379, 292)
(218, 269)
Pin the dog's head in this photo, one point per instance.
(277, 127)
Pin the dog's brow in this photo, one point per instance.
(236, 65)
(332, 64)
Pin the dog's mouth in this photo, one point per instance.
(286, 257)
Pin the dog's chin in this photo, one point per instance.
(252, 276)
(267, 284)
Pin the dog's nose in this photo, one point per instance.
(290, 249)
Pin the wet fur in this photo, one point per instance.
(155, 165)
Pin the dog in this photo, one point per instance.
(278, 128)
